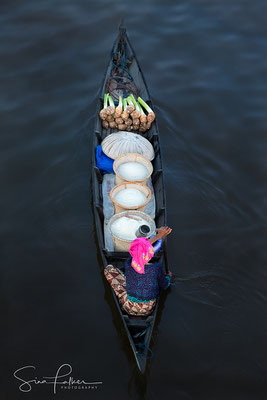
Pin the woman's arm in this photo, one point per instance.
(164, 280)
(162, 233)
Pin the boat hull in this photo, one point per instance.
(138, 329)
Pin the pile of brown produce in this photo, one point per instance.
(128, 115)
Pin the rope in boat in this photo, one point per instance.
(120, 78)
(143, 345)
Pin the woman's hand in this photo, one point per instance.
(164, 231)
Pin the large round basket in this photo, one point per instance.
(118, 143)
(128, 185)
(122, 244)
(132, 157)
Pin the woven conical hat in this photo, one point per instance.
(120, 143)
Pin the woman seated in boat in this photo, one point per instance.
(138, 290)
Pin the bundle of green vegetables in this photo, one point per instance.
(128, 115)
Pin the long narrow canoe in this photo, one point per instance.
(122, 80)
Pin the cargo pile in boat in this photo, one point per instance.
(128, 115)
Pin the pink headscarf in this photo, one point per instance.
(141, 251)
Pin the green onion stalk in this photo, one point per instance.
(143, 118)
(133, 99)
(125, 114)
(119, 121)
(111, 107)
(128, 122)
(109, 118)
(122, 127)
(118, 110)
(103, 112)
(136, 121)
(112, 124)
(137, 112)
(142, 128)
(145, 126)
(131, 106)
(136, 127)
(105, 124)
(151, 114)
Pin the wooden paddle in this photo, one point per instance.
(165, 256)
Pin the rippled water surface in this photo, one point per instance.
(205, 65)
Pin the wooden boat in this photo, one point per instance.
(122, 80)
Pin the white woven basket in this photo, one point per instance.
(132, 157)
(129, 185)
(120, 143)
(124, 245)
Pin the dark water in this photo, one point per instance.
(205, 64)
